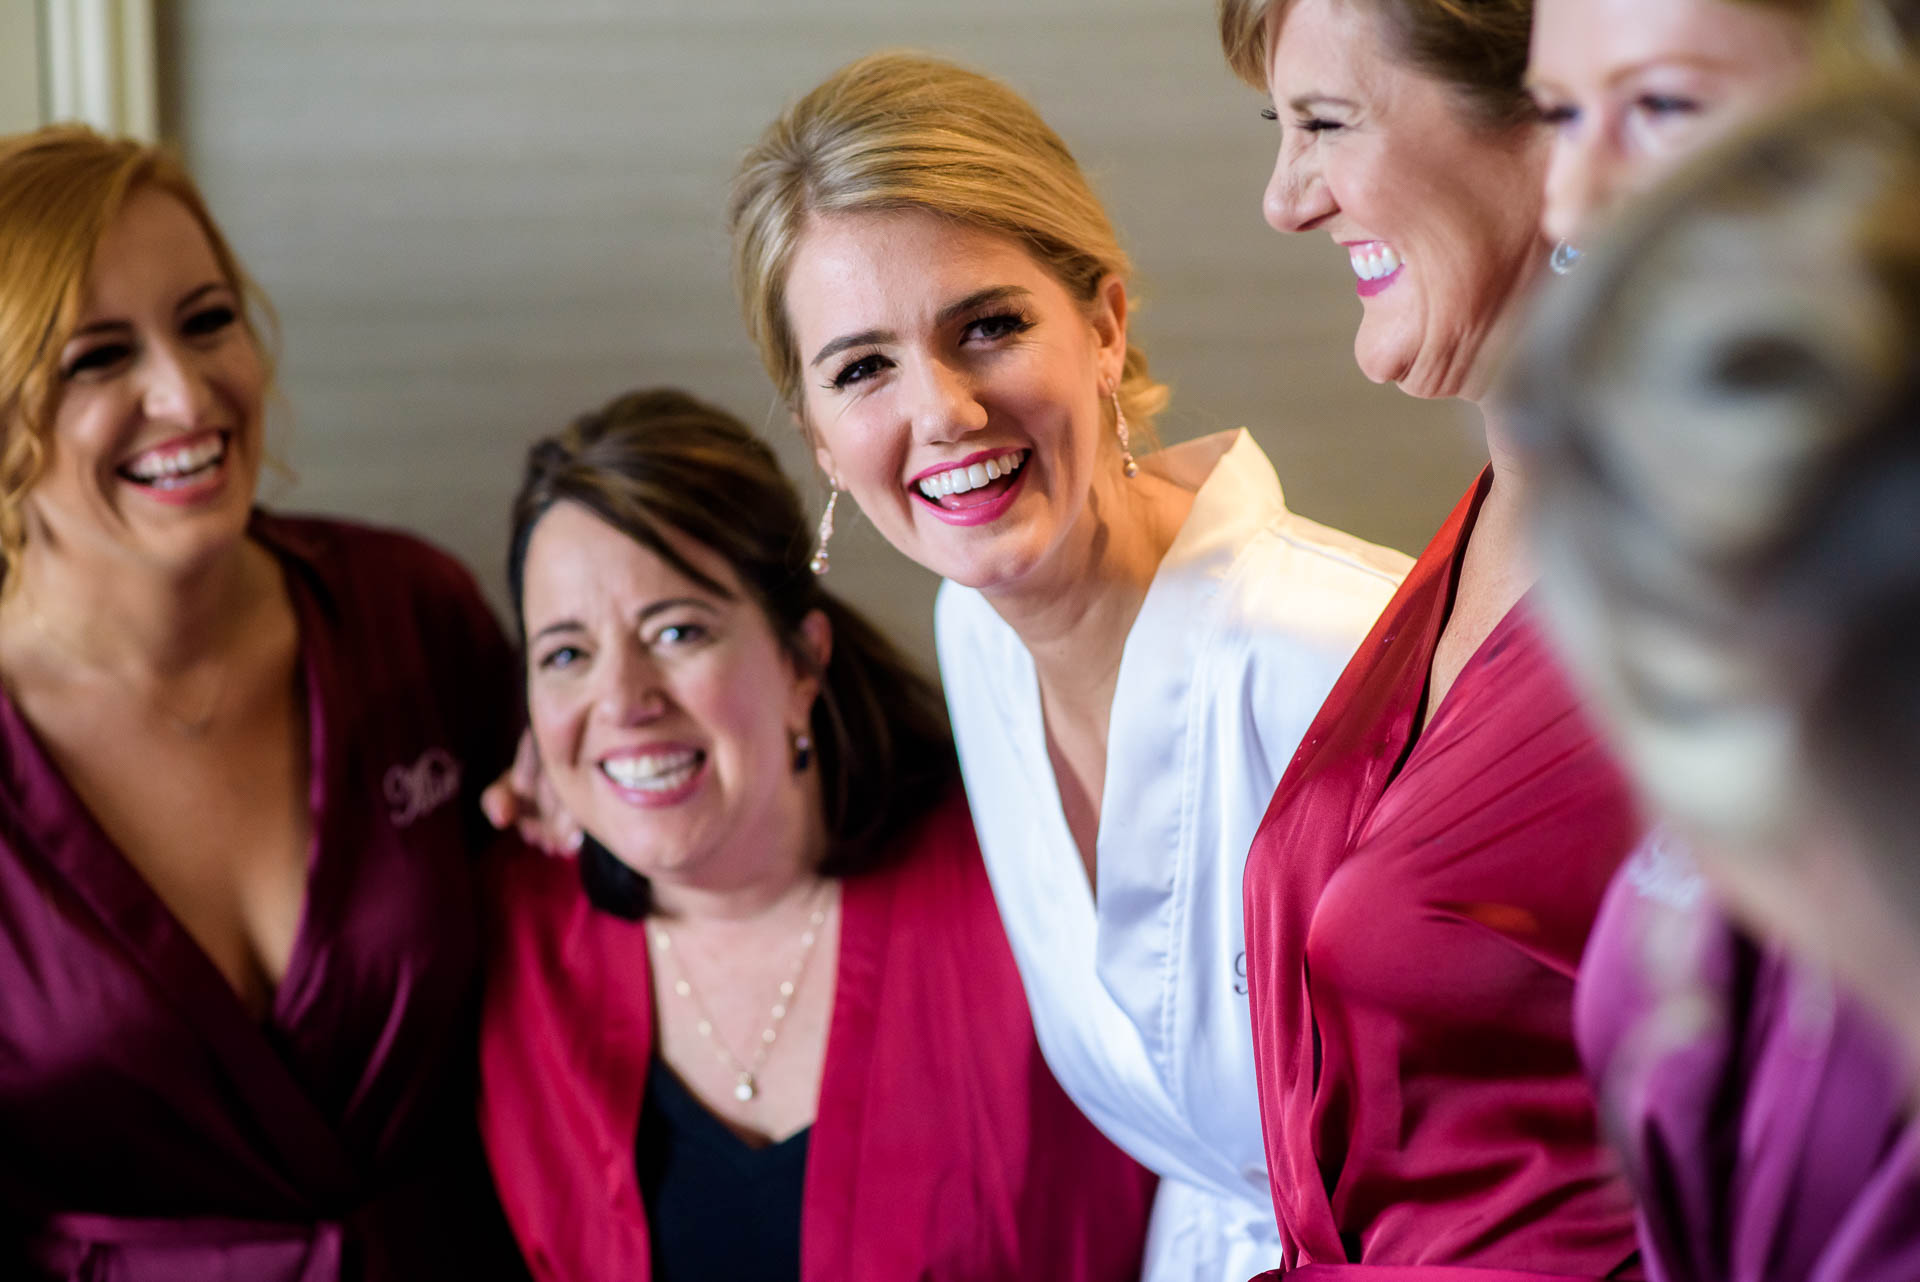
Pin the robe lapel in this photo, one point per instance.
(294, 1148)
(1353, 750)
(608, 958)
(839, 1160)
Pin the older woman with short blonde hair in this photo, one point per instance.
(1421, 887)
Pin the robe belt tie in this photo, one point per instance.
(110, 1248)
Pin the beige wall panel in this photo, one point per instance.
(19, 65)
(478, 217)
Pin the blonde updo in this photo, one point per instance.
(905, 131)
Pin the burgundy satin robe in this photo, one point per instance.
(1416, 907)
(1766, 1116)
(151, 1130)
(943, 1150)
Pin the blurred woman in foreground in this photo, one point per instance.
(1723, 408)
(768, 1026)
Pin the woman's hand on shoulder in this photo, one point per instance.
(523, 799)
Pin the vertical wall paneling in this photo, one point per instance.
(100, 64)
(479, 217)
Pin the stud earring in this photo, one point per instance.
(802, 751)
(819, 561)
(1563, 259)
(1127, 464)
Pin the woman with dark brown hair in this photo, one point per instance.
(1421, 888)
(771, 1026)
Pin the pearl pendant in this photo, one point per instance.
(744, 1089)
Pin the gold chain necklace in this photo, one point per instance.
(186, 727)
(746, 1076)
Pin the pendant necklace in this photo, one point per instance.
(746, 1075)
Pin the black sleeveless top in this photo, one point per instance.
(718, 1208)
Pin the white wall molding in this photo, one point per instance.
(99, 64)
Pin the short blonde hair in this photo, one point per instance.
(61, 188)
(1478, 47)
(906, 131)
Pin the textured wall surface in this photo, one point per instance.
(478, 217)
(19, 65)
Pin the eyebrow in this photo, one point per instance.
(657, 608)
(1619, 75)
(1306, 100)
(1693, 61)
(978, 298)
(114, 326)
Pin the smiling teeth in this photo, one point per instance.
(171, 465)
(1374, 260)
(959, 480)
(653, 772)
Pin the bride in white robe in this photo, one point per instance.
(1131, 653)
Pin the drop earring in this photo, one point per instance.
(802, 751)
(1564, 258)
(1127, 465)
(819, 561)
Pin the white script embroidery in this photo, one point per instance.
(417, 790)
(1662, 870)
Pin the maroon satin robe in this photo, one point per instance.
(943, 1150)
(1416, 907)
(151, 1130)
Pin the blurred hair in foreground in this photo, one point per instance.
(1723, 409)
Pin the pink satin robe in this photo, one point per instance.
(943, 1150)
(1416, 909)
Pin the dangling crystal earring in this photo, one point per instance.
(818, 564)
(1127, 464)
(802, 751)
(1563, 259)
